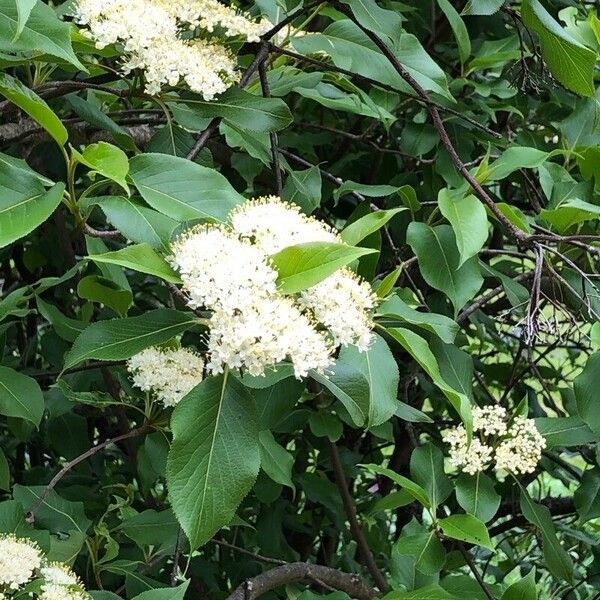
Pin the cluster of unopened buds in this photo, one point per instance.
(172, 40)
(227, 271)
(24, 571)
(513, 446)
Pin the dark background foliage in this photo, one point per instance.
(480, 121)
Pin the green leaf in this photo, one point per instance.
(370, 191)
(24, 8)
(107, 292)
(24, 204)
(414, 489)
(350, 387)
(568, 60)
(365, 226)
(108, 160)
(43, 32)
(586, 387)
(182, 189)
(564, 431)
(68, 329)
(557, 559)
(428, 551)
(379, 368)
(427, 469)
(595, 336)
(373, 17)
(275, 460)
(55, 514)
(482, 7)
(438, 257)
(351, 49)
(411, 414)
(304, 265)
(569, 213)
(303, 188)
(418, 348)
(28, 101)
(247, 111)
(395, 308)
(459, 29)
(119, 339)
(4, 472)
(151, 528)
(511, 160)
(214, 459)
(469, 221)
(139, 257)
(170, 593)
(477, 496)
(587, 495)
(428, 592)
(524, 589)
(466, 528)
(137, 222)
(20, 396)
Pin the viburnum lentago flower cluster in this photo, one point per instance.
(227, 271)
(515, 447)
(22, 562)
(169, 373)
(159, 37)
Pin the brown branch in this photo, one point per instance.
(266, 90)
(517, 233)
(282, 575)
(259, 557)
(367, 80)
(355, 527)
(482, 584)
(30, 518)
(98, 233)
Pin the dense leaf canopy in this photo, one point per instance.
(454, 148)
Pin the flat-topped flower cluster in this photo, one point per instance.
(25, 570)
(161, 38)
(515, 447)
(227, 271)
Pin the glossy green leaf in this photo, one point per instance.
(42, 32)
(244, 110)
(477, 496)
(28, 101)
(24, 204)
(557, 559)
(418, 348)
(214, 458)
(142, 258)
(524, 589)
(569, 61)
(20, 396)
(275, 460)
(118, 339)
(439, 260)
(108, 160)
(304, 265)
(427, 469)
(466, 528)
(181, 189)
(378, 367)
(459, 29)
(361, 228)
(414, 489)
(106, 292)
(469, 221)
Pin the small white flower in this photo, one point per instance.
(490, 420)
(19, 559)
(168, 373)
(473, 458)
(521, 452)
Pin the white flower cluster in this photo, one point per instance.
(515, 448)
(227, 271)
(169, 373)
(21, 561)
(150, 32)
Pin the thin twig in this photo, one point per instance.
(264, 82)
(73, 463)
(260, 557)
(482, 584)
